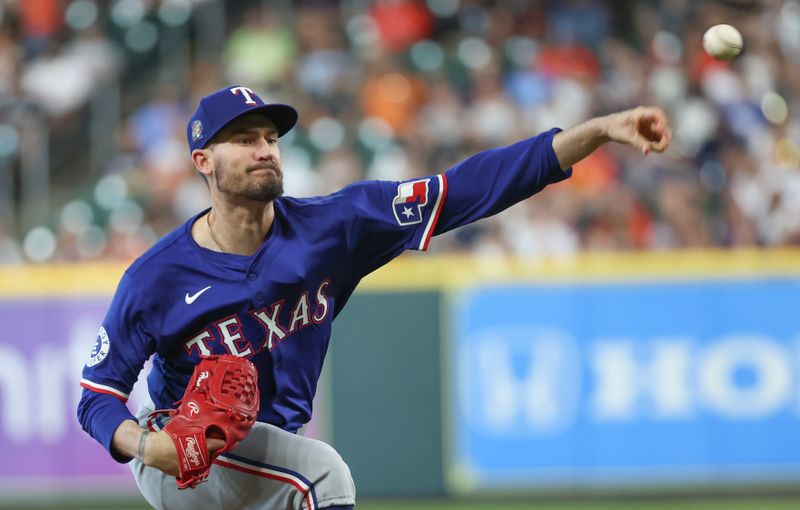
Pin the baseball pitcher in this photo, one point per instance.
(236, 305)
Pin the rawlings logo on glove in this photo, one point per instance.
(221, 401)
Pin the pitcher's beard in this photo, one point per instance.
(263, 191)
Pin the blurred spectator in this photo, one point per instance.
(77, 67)
(262, 50)
(11, 57)
(492, 118)
(401, 23)
(583, 22)
(41, 23)
(10, 252)
(392, 94)
(324, 64)
(158, 121)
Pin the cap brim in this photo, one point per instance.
(282, 115)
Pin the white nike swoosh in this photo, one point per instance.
(190, 299)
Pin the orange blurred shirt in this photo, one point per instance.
(41, 18)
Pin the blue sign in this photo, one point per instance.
(625, 384)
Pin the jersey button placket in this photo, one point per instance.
(259, 299)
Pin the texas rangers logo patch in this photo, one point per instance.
(99, 349)
(411, 198)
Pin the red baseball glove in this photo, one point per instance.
(221, 401)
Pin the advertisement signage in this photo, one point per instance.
(43, 347)
(598, 384)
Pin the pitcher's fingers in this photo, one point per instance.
(214, 444)
(641, 143)
(663, 143)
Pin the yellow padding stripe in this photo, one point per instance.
(60, 280)
(417, 271)
(427, 271)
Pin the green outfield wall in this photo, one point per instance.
(386, 392)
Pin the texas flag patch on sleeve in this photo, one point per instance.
(420, 201)
(411, 199)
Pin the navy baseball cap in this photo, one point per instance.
(219, 108)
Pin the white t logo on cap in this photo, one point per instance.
(245, 92)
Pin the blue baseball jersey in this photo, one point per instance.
(180, 301)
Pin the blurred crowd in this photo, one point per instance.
(395, 89)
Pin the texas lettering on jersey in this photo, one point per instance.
(304, 313)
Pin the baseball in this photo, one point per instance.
(723, 42)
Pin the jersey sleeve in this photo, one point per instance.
(385, 218)
(491, 181)
(123, 345)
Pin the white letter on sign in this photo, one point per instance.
(651, 378)
(764, 357)
(541, 399)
